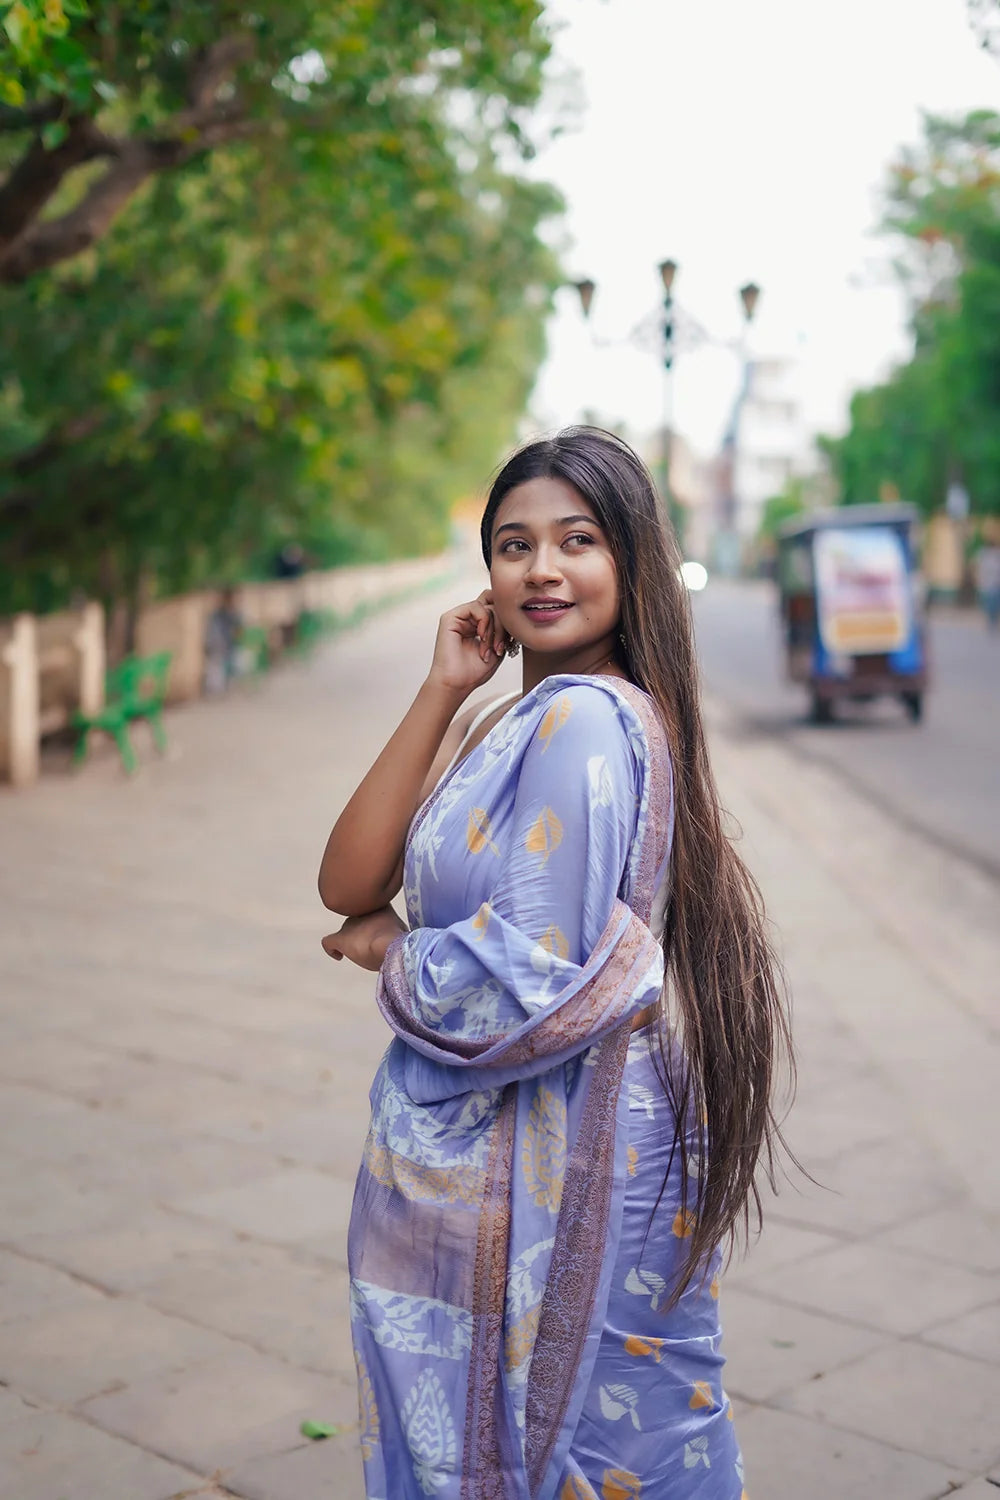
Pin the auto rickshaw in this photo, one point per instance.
(851, 607)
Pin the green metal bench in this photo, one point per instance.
(135, 689)
(310, 628)
(255, 641)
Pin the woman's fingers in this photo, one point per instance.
(331, 947)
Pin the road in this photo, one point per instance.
(183, 1101)
(941, 778)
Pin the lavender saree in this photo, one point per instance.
(506, 1299)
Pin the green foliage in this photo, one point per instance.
(938, 417)
(780, 508)
(326, 329)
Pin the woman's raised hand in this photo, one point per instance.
(471, 644)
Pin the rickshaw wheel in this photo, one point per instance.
(914, 706)
(821, 710)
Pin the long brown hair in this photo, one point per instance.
(729, 1007)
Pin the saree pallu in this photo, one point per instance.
(487, 1226)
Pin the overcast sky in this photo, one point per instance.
(747, 140)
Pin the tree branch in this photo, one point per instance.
(215, 66)
(29, 118)
(29, 244)
(32, 182)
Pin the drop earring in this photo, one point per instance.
(513, 647)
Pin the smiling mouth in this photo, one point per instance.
(546, 609)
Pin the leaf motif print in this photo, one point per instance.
(683, 1225)
(554, 941)
(481, 921)
(696, 1452)
(640, 1097)
(430, 1432)
(554, 721)
(620, 1484)
(633, 1160)
(643, 1347)
(543, 1156)
(619, 1401)
(479, 832)
(701, 1395)
(544, 835)
(714, 1288)
(642, 1283)
(602, 792)
(368, 1421)
(577, 1488)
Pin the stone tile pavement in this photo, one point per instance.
(183, 1080)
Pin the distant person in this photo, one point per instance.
(290, 561)
(587, 1021)
(222, 639)
(987, 567)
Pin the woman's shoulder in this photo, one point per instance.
(599, 700)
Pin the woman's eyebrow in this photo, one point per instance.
(563, 521)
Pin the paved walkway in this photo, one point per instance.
(183, 1081)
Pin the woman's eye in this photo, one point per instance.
(514, 542)
(580, 536)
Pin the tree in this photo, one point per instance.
(99, 98)
(937, 419)
(308, 330)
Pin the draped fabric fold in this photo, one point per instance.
(486, 1211)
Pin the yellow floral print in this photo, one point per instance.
(633, 1160)
(554, 721)
(544, 835)
(702, 1395)
(520, 1339)
(481, 921)
(543, 1156)
(456, 1184)
(479, 833)
(714, 1288)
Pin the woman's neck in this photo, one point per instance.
(600, 660)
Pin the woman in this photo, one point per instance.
(558, 1143)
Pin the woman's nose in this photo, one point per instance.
(544, 565)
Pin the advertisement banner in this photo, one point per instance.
(863, 590)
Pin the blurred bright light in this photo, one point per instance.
(694, 576)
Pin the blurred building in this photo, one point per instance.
(765, 444)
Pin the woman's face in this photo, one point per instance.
(554, 581)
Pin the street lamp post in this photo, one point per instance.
(665, 332)
(668, 270)
(749, 297)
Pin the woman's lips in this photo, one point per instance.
(546, 613)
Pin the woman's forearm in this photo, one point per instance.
(360, 868)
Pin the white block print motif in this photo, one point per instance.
(430, 1432)
(696, 1452)
(646, 1284)
(619, 1401)
(602, 792)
